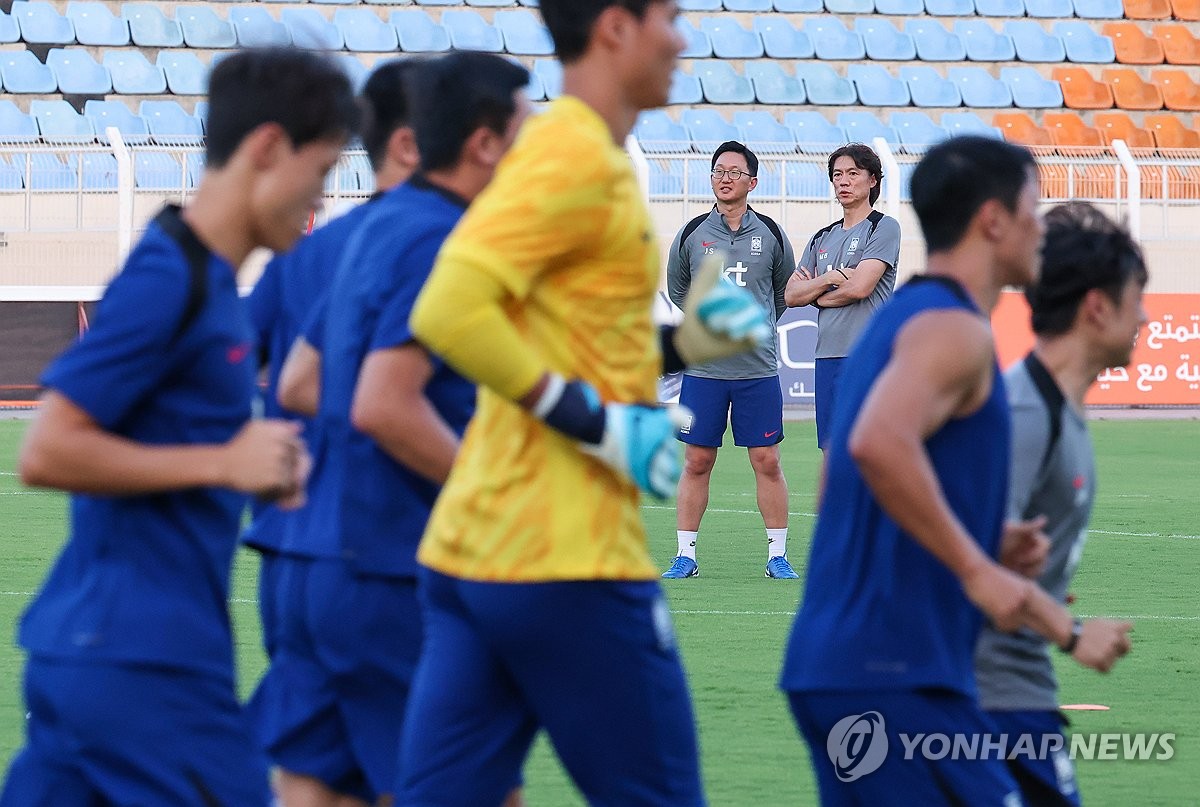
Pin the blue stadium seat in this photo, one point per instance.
(824, 87)
(60, 123)
(18, 127)
(202, 28)
(899, 8)
(46, 171)
(1032, 42)
(798, 6)
(877, 87)
(699, 5)
(169, 124)
(929, 89)
(133, 75)
(1030, 90)
(1084, 44)
(721, 83)
(150, 28)
(535, 90)
(418, 33)
(491, 3)
(364, 32)
(308, 28)
(950, 8)
(984, 43)
(697, 44)
(906, 172)
(201, 114)
(884, 43)
(1087, 9)
(862, 127)
(763, 133)
(1000, 8)
(95, 25)
(255, 27)
(770, 182)
(803, 180)
(40, 24)
(730, 40)
(98, 170)
(664, 183)
(656, 132)
(749, 6)
(193, 162)
(850, 6)
(156, 170)
(963, 123)
(1049, 9)
(332, 2)
(832, 41)
(781, 40)
(697, 176)
(774, 85)
(77, 72)
(917, 131)
(103, 114)
(355, 69)
(814, 134)
(11, 178)
(708, 129)
(524, 33)
(186, 74)
(470, 31)
(685, 89)
(934, 42)
(21, 72)
(9, 30)
(550, 72)
(979, 88)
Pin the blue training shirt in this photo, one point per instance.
(374, 508)
(879, 611)
(145, 579)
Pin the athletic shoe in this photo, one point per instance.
(683, 566)
(780, 569)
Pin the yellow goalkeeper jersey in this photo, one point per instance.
(563, 228)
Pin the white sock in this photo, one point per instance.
(687, 543)
(776, 543)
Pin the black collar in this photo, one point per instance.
(420, 181)
(950, 283)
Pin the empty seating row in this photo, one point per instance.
(163, 122)
(1162, 9)
(1173, 43)
(126, 72)
(1125, 89)
(1054, 9)
(97, 171)
(1163, 131)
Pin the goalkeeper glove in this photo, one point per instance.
(719, 318)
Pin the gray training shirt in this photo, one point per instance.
(833, 247)
(1014, 671)
(756, 259)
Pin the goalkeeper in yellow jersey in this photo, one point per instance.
(541, 603)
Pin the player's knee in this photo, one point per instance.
(765, 462)
(699, 462)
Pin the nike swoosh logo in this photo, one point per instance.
(707, 243)
(771, 434)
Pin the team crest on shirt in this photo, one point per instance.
(756, 245)
(853, 245)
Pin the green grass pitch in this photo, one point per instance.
(1142, 560)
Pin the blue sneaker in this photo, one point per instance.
(779, 569)
(684, 566)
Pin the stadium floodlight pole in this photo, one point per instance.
(124, 193)
(891, 174)
(1133, 188)
(641, 166)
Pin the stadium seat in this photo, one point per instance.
(1131, 44)
(535, 90)
(934, 42)
(697, 180)
(1032, 42)
(157, 170)
(550, 72)
(770, 182)
(104, 114)
(523, 33)
(798, 6)
(364, 32)
(984, 43)
(77, 72)
(832, 41)
(804, 180)
(1000, 8)
(21, 72)
(133, 75)
(352, 67)
(1083, 44)
(979, 88)
(748, 6)
(950, 8)
(824, 87)
(169, 124)
(1081, 90)
(1099, 9)
(883, 42)
(255, 27)
(781, 40)
(11, 178)
(335, 2)
(491, 3)
(1170, 133)
(696, 43)
(418, 33)
(438, 2)
(9, 30)
(917, 131)
(814, 133)
(1130, 92)
(700, 5)
(721, 83)
(201, 113)
(470, 31)
(774, 85)
(202, 28)
(97, 170)
(963, 123)
(730, 40)
(1068, 129)
(850, 6)
(1119, 126)
(1147, 9)
(862, 126)
(1188, 10)
(40, 24)
(877, 87)
(18, 127)
(899, 8)
(58, 122)
(95, 25)
(685, 89)
(1179, 91)
(1050, 9)
(46, 172)
(663, 182)
(708, 129)
(150, 28)
(763, 133)
(1018, 127)
(308, 28)
(656, 133)
(186, 74)
(1030, 90)
(1179, 45)
(929, 89)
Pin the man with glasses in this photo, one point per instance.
(758, 257)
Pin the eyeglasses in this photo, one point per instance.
(734, 174)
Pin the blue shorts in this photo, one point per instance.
(871, 771)
(268, 580)
(756, 404)
(1044, 781)
(334, 698)
(827, 373)
(101, 734)
(592, 662)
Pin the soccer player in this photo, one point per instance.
(1087, 311)
(847, 271)
(391, 417)
(903, 558)
(146, 422)
(758, 258)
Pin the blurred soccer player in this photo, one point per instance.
(1087, 310)
(902, 561)
(129, 682)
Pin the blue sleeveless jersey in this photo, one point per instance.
(879, 611)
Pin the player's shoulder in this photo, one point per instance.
(568, 142)
(887, 225)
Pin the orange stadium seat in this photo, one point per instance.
(1130, 92)
(1068, 129)
(1178, 90)
(1132, 45)
(1170, 133)
(1186, 10)
(1018, 127)
(1147, 9)
(1179, 46)
(1119, 126)
(1082, 91)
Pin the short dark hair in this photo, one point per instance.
(734, 147)
(570, 22)
(452, 96)
(866, 159)
(385, 107)
(957, 176)
(308, 95)
(1083, 250)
